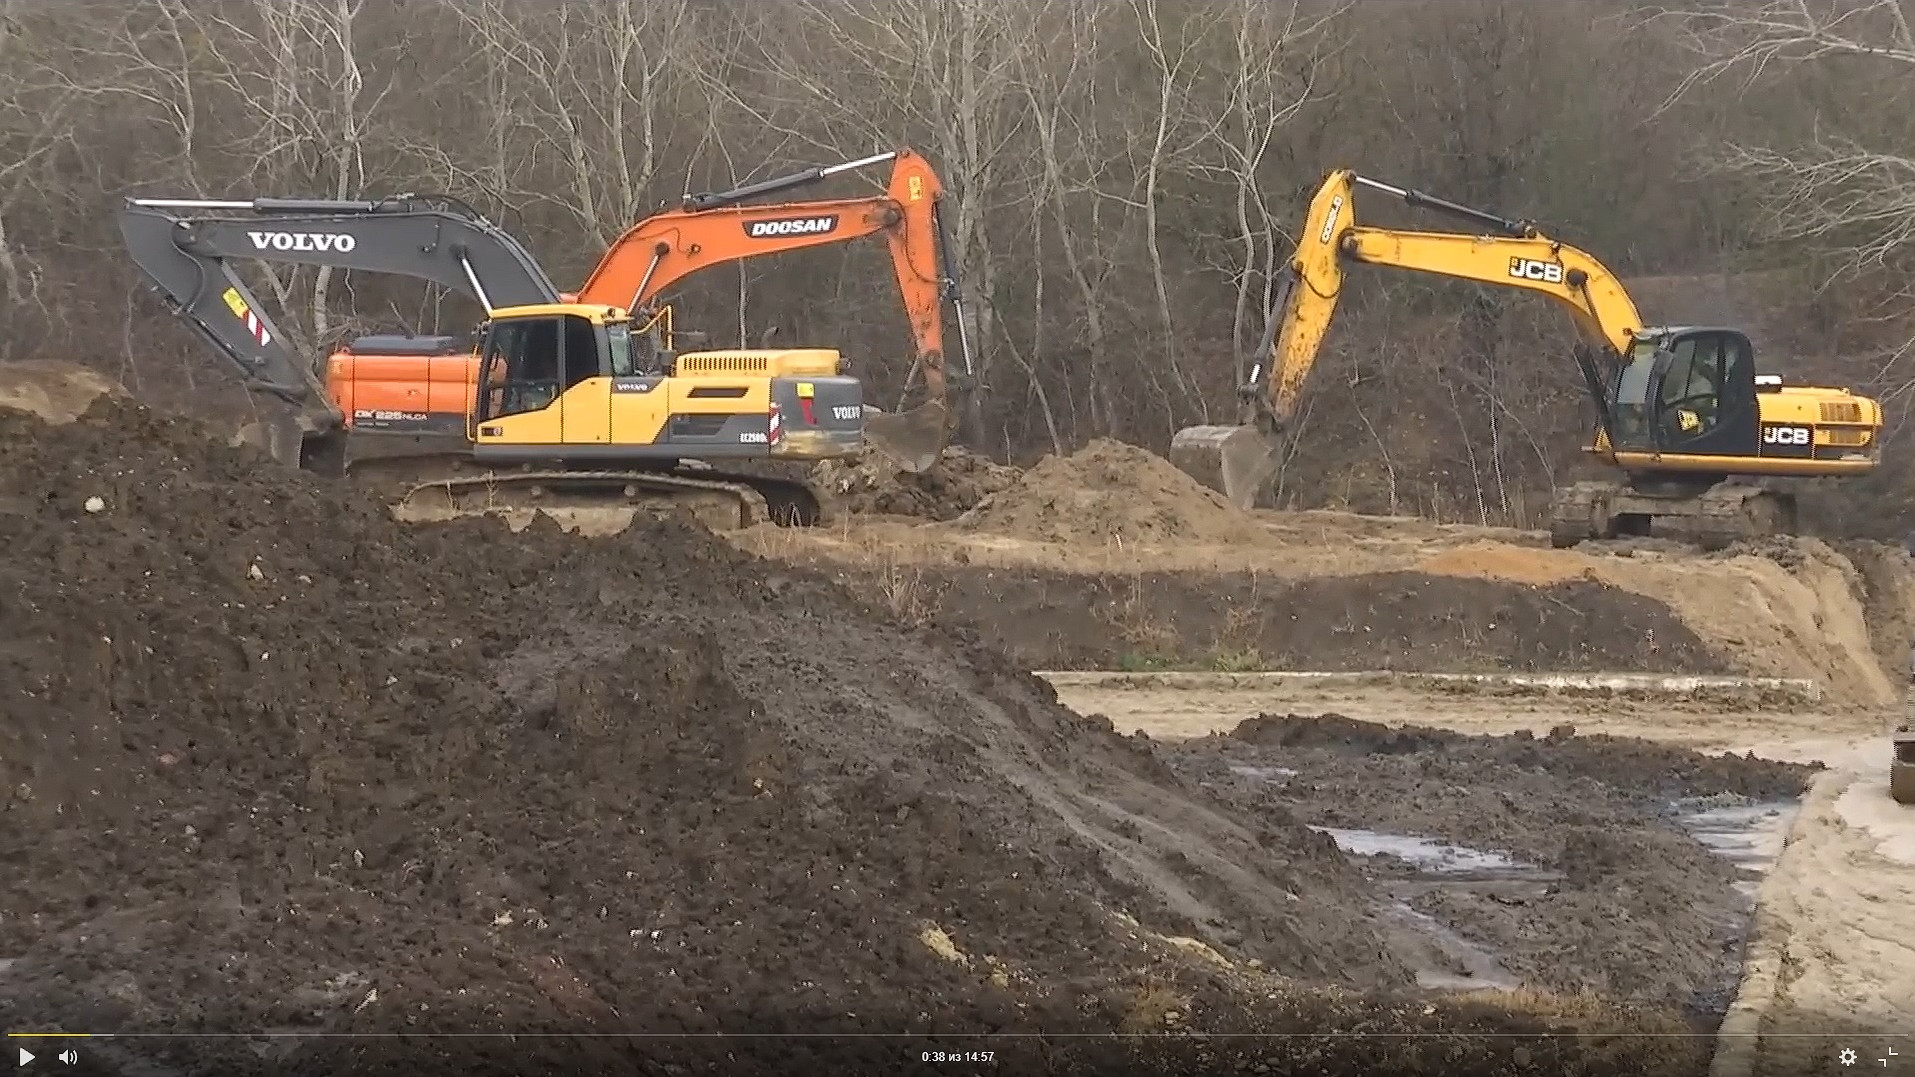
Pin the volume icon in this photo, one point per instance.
(68, 1056)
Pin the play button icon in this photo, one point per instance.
(26, 1056)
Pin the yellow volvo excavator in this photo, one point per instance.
(1681, 411)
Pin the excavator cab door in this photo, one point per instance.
(536, 379)
(521, 376)
(1702, 387)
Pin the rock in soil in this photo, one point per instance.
(272, 761)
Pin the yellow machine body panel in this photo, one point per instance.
(1811, 430)
(567, 379)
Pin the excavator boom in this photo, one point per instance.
(717, 228)
(185, 248)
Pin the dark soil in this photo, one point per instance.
(873, 486)
(270, 760)
(1401, 621)
(1621, 898)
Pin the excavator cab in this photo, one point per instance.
(1687, 390)
(530, 361)
(586, 383)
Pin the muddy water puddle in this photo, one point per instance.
(1749, 835)
(1442, 958)
(1430, 855)
(1410, 868)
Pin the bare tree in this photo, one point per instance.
(593, 85)
(1266, 77)
(1174, 51)
(1833, 187)
(945, 71)
(1060, 87)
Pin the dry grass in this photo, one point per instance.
(1136, 625)
(1154, 1006)
(907, 594)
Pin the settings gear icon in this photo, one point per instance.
(1846, 1056)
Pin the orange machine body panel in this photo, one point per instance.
(410, 385)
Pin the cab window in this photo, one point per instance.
(1629, 411)
(618, 348)
(581, 356)
(521, 367)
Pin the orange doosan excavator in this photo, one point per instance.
(579, 392)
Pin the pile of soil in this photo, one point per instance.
(1795, 608)
(273, 761)
(1110, 492)
(1589, 822)
(1517, 564)
(1404, 621)
(1781, 607)
(1887, 574)
(874, 485)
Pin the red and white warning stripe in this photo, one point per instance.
(258, 329)
(774, 425)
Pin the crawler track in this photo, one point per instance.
(1711, 518)
(453, 482)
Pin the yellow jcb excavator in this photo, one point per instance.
(1680, 410)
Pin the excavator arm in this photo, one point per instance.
(1238, 460)
(187, 261)
(713, 229)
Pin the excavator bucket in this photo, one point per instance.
(1235, 461)
(915, 438)
(296, 444)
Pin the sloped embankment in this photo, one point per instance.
(272, 760)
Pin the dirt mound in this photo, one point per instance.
(272, 760)
(56, 392)
(875, 486)
(1378, 621)
(1795, 609)
(1782, 607)
(1516, 564)
(1639, 768)
(1110, 492)
(1888, 585)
